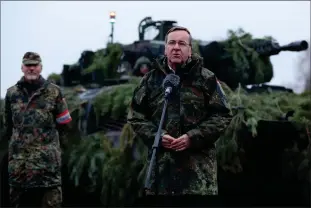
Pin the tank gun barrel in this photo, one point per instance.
(221, 59)
(270, 48)
(295, 46)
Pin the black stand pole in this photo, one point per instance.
(154, 157)
(112, 31)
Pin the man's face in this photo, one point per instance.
(177, 48)
(31, 71)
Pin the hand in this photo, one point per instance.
(167, 140)
(181, 143)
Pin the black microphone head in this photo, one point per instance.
(171, 80)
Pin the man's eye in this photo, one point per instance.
(179, 43)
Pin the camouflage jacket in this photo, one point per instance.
(199, 110)
(34, 146)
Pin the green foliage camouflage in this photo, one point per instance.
(234, 45)
(115, 172)
(115, 102)
(248, 67)
(253, 108)
(97, 147)
(111, 170)
(55, 78)
(106, 61)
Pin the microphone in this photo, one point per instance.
(170, 83)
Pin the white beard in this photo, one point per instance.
(31, 77)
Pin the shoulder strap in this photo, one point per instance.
(221, 93)
(219, 90)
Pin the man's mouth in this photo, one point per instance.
(176, 55)
(31, 76)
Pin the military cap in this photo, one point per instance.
(31, 58)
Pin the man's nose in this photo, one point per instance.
(176, 46)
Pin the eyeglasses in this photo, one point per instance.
(181, 44)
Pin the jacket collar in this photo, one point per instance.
(187, 68)
(40, 83)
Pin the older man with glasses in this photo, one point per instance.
(195, 119)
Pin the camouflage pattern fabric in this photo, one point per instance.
(31, 122)
(31, 58)
(198, 110)
(43, 197)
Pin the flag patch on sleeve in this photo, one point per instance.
(63, 118)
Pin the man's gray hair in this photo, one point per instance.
(179, 28)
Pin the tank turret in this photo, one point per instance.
(247, 64)
(163, 26)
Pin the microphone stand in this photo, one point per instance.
(155, 147)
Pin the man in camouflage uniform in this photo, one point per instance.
(35, 110)
(195, 119)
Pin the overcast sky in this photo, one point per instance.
(60, 31)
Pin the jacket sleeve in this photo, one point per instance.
(63, 118)
(217, 119)
(139, 117)
(61, 110)
(8, 122)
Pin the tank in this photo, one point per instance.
(255, 158)
(137, 57)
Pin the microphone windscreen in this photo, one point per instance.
(171, 80)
